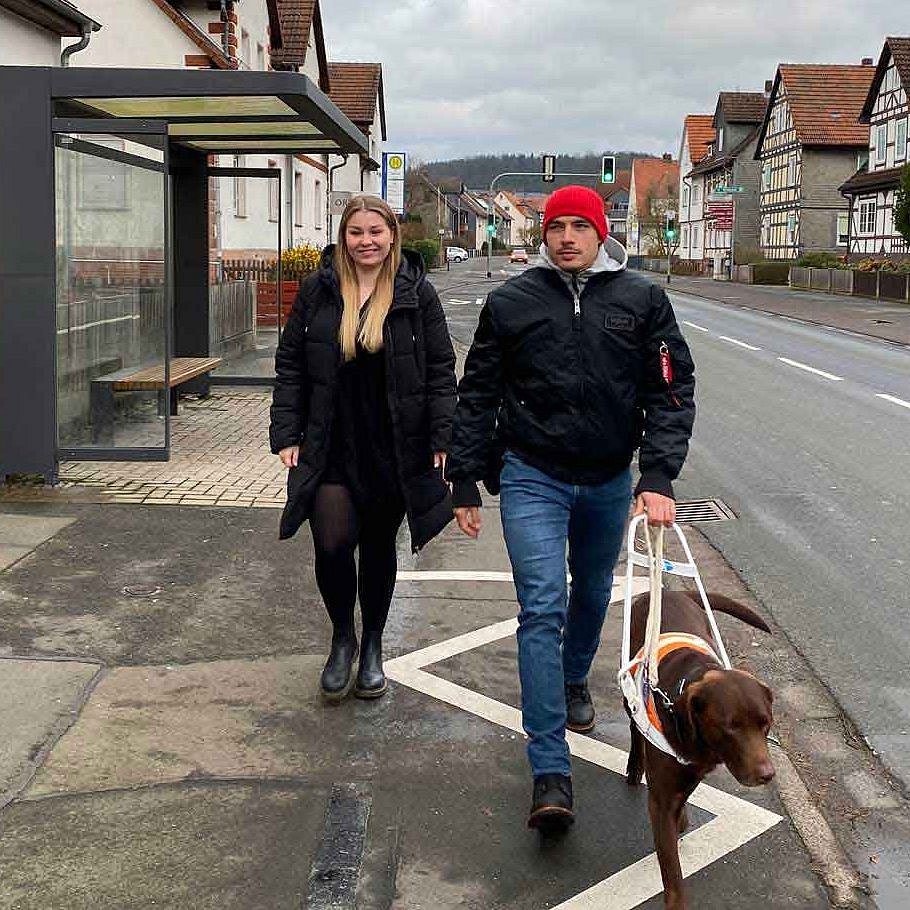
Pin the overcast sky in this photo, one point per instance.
(467, 77)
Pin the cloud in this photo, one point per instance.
(482, 76)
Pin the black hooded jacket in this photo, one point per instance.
(420, 389)
(573, 386)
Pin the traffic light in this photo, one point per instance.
(608, 169)
(549, 168)
(672, 228)
(491, 228)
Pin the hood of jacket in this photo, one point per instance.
(411, 271)
(611, 257)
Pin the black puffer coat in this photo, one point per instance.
(573, 386)
(420, 379)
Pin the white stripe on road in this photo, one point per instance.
(742, 344)
(808, 369)
(479, 301)
(693, 325)
(893, 400)
(454, 576)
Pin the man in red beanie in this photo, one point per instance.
(575, 364)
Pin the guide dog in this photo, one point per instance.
(715, 717)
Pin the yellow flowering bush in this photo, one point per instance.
(298, 262)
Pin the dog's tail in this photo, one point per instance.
(724, 604)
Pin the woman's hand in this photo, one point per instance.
(289, 456)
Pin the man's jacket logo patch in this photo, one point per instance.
(623, 322)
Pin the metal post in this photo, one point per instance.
(733, 236)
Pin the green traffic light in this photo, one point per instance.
(491, 229)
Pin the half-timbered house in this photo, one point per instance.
(810, 142)
(730, 162)
(871, 190)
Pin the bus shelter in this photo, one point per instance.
(105, 232)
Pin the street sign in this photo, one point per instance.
(719, 197)
(671, 213)
(549, 168)
(733, 188)
(338, 199)
(393, 169)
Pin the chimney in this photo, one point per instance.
(867, 61)
(667, 156)
(769, 85)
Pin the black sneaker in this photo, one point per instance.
(579, 708)
(551, 805)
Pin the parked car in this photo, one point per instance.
(456, 254)
(519, 254)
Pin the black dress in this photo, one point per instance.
(362, 445)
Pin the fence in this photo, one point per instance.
(232, 317)
(247, 269)
(878, 285)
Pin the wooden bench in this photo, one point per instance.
(146, 379)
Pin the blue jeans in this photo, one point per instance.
(558, 635)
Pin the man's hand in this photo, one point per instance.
(439, 461)
(469, 521)
(661, 510)
(290, 456)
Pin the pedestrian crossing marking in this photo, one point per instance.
(735, 822)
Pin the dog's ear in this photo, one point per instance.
(692, 706)
(767, 691)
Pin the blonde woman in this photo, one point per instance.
(361, 416)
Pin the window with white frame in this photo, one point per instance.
(318, 203)
(684, 237)
(881, 143)
(765, 230)
(695, 233)
(843, 228)
(685, 202)
(766, 176)
(867, 217)
(298, 199)
(791, 171)
(240, 189)
(791, 227)
(274, 200)
(696, 194)
(900, 140)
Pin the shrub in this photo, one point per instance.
(297, 263)
(771, 273)
(821, 260)
(428, 249)
(871, 264)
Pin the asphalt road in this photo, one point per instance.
(805, 432)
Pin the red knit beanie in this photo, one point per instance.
(578, 201)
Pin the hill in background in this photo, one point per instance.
(477, 171)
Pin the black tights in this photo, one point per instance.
(338, 529)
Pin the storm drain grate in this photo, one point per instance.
(693, 510)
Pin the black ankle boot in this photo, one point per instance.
(371, 681)
(338, 673)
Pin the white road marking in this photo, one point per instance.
(742, 344)
(893, 400)
(457, 301)
(736, 821)
(693, 325)
(454, 576)
(479, 301)
(808, 369)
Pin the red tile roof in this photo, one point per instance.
(655, 177)
(299, 18)
(899, 49)
(826, 101)
(355, 88)
(700, 134)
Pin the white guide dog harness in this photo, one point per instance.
(638, 677)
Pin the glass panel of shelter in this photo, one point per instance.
(114, 306)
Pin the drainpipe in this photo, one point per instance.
(72, 49)
(328, 205)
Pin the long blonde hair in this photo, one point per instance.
(368, 331)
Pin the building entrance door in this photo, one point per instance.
(114, 291)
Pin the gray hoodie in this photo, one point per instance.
(611, 257)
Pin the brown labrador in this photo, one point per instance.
(718, 717)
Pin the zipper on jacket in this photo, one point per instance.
(576, 297)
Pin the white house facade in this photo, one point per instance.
(30, 32)
(697, 137)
